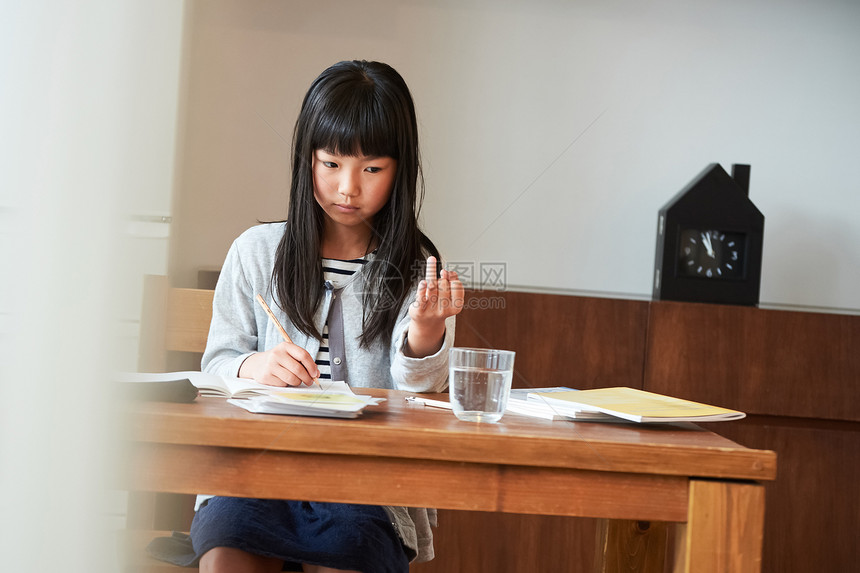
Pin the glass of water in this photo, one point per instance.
(479, 383)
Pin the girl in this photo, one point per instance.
(345, 272)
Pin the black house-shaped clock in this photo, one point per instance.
(709, 241)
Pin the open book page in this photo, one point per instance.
(638, 405)
(207, 384)
(168, 388)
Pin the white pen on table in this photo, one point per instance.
(428, 402)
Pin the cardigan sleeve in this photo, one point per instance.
(427, 374)
(233, 331)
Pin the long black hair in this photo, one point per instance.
(355, 108)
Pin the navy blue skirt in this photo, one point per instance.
(342, 536)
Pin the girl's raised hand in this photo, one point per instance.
(435, 300)
(284, 365)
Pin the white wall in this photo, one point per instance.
(152, 61)
(86, 141)
(552, 131)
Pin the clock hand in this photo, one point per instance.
(706, 239)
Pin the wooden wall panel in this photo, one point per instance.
(480, 542)
(758, 361)
(582, 342)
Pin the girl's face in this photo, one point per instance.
(351, 190)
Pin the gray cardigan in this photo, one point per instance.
(240, 327)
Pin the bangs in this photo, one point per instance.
(356, 124)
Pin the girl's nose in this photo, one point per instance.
(348, 185)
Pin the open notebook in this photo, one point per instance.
(634, 405)
(328, 398)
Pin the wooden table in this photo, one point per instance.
(404, 454)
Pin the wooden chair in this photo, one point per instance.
(174, 326)
(174, 320)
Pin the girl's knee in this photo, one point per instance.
(230, 560)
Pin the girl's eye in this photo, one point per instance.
(373, 169)
(330, 164)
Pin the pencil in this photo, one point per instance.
(274, 319)
(277, 323)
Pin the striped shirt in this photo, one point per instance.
(336, 272)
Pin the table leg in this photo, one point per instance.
(625, 546)
(724, 529)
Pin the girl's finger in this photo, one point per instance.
(281, 371)
(300, 364)
(458, 295)
(421, 295)
(308, 364)
(293, 372)
(270, 379)
(445, 301)
(444, 287)
(431, 296)
(430, 270)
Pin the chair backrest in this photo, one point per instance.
(172, 320)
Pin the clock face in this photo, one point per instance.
(711, 254)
